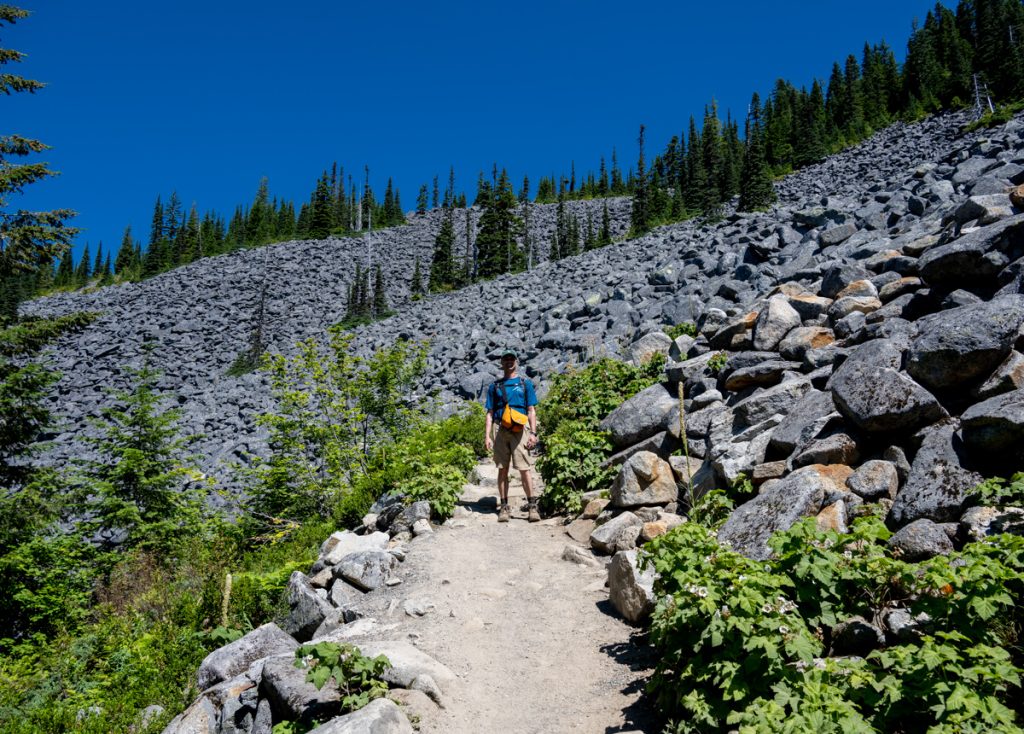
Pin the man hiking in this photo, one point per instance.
(511, 430)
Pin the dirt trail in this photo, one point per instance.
(529, 635)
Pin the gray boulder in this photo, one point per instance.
(875, 480)
(655, 342)
(382, 716)
(775, 320)
(881, 400)
(856, 636)
(307, 608)
(411, 668)
(974, 259)
(645, 479)
(291, 697)
(996, 426)
(804, 420)
(630, 590)
(367, 570)
(619, 533)
(939, 482)
(920, 540)
(979, 523)
(643, 415)
(965, 344)
(776, 508)
(342, 543)
(235, 657)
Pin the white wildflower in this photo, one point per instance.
(783, 630)
(767, 609)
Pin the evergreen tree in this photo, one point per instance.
(811, 145)
(434, 194)
(28, 240)
(259, 225)
(442, 264)
(618, 188)
(83, 271)
(125, 261)
(695, 173)
(416, 286)
(640, 215)
(380, 297)
(711, 154)
(497, 245)
(756, 189)
(97, 267)
(421, 200)
(321, 206)
(65, 276)
(604, 236)
(172, 217)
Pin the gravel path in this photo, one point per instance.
(531, 637)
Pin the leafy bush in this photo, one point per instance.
(687, 327)
(998, 492)
(439, 484)
(569, 416)
(717, 362)
(572, 464)
(358, 677)
(742, 643)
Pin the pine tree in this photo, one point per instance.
(83, 271)
(604, 236)
(380, 297)
(320, 218)
(711, 154)
(497, 244)
(442, 264)
(28, 240)
(65, 275)
(126, 254)
(259, 225)
(756, 188)
(416, 286)
(421, 200)
(810, 138)
(640, 215)
(695, 173)
(434, 195)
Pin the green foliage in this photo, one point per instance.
(439, 484)
(574, 448)
(330, 403)
(357, 677)
(141, 487)
(677, 330)
(1002, 115)
(738, 639)
(998, 492)
(717, 362)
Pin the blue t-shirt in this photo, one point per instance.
(518, 390)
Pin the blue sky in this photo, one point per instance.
(205, 98)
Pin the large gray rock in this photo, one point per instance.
(368, 570)
(619, 533)
(920, 540)
(939, 483)
(875, 480)
(630, 590)
(965, 344)
(411, 668)
(775, 400)
(291, 697)
(382, 716)
(235, 657)
(643, 415)
(644, 349)
(645, 479)
(200, 718)
(996, 426)
(979, 523)
(345, 542)
(882, 400)
(775, 321)
(778, 507)
(975, 259)
(803, 421)
(307, 608)
(736, 448)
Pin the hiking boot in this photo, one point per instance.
(534, 514)
(504, 514)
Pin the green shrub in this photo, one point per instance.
(439, 484)
(572, 464)
(357, 677)
(998, 492)
(574, 447)
(738, 639)
(717, 362)
(687, 327)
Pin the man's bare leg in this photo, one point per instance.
(503, 514)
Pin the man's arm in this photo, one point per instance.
(531, 413)
(487, 431)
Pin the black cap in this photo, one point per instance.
(509, 353)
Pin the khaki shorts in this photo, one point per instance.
(510, 448)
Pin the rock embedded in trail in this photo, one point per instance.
(630, 590)
(645, 479)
